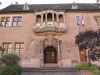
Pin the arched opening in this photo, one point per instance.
(55, 17)
(61, 19)
(49, 17)
(38, 18)
(50, 55)
(44, 17)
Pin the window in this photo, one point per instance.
(49, 17)
(61, 20)
(16, 21)
(38, 19)
(78, 20)
(97, 19)
(55, 17)
(74, 6)
(7, 47)
(19, 47)
(5, 21)
(26, 7)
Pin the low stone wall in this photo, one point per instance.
(87, 72)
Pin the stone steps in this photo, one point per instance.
(50, 71)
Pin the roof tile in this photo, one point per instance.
(39, 7)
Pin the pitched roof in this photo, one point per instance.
(39, 7)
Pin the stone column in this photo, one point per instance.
(64, 18)
(53, 17)
(59, 54)
(13, 47)
(46, 17)
(41, 54)
(57, 18)
(41, 18)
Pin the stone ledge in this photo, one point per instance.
(49, 69)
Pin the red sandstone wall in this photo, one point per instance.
(32, 54)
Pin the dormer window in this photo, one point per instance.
(26, 7)
(38, 19)
(74, 6)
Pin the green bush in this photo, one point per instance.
(10, 59)
(92, 68)
(83, 66)
(11, 70)
(9, 65)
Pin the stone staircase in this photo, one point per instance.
(49, 71)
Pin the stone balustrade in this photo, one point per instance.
(50, 27)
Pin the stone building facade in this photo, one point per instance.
(44, 35)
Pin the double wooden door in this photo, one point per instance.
(50, 55)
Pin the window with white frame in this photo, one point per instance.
(16, 21)
(78, 20)
(7, 46)
(97, 19)
(38, 19)
(61, 18)
(5, 21)
(19, 47)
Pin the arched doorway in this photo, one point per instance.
(50, 55)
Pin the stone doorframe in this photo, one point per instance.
(54, 42)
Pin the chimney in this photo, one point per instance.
(16, 3)
(0, 3)
(11, 3)
(98, 1)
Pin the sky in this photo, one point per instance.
(5, 3)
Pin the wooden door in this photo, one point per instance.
(50, 55)
(83, 56)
